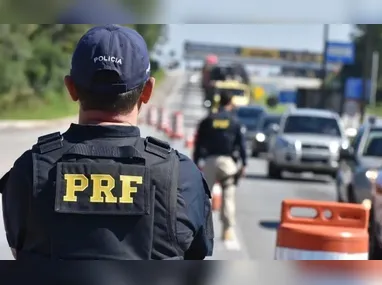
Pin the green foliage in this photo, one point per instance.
(35, 58)
(359, 39)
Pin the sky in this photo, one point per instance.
(281, 36)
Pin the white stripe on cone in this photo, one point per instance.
(283, 253)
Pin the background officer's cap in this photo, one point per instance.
(111, 47)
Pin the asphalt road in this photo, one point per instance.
(258, 198)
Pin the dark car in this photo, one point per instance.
(261, 138)
(250, 117)
(359, 163)
(360, 166)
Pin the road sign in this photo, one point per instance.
(354, 88)
(340, 52)
(287, 96)
(191, 48)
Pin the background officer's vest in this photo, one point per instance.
(222, 133)
(94, 201)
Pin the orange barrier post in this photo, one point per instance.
(189, 143)
(160, 118)
(177, 126)
(152, 116)
(163, 120)
(339, 231)
(217, 197)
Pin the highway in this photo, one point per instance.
(258, 198)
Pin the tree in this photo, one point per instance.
(359, 38)
(36, 57)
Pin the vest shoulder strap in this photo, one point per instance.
(48, 143)
(157, 147)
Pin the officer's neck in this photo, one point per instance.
(106, 118)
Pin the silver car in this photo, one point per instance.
(307, 140)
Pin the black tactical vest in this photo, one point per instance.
(97, 202)
(222, 128)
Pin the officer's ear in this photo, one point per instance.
(71, 88)
(147, 90)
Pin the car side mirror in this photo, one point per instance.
(347, 153)
(273, 129)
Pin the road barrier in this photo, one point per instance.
(177, 126)
(152, 116)
(338, 231)
(190, 140)
(163, 120)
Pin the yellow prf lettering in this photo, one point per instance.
(98, 189)
(220, 124)
(72, 188)
(127, 189)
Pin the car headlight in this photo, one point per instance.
(282, 143)
(351, 132)
(297, 144)
(260, 137)
(334, 147)
(371, 174)
(367, 204)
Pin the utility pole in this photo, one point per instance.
(366, 69)
(374, 78)
(325, 40)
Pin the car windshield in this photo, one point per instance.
(249, 117)
(373, 146)
(234, 92)
(269, 121)
(252, 113)
(312, 125)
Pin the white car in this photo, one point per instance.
(307, 140)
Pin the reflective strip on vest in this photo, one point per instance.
(283, 253)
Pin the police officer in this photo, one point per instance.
(218, 136)
(100, 190)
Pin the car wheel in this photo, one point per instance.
(375, 251)
(333, 175)
(338, 191)
(255, 153)
(351, 197)
(273, 171)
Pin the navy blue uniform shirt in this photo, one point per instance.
(207, 144)
(192, 186)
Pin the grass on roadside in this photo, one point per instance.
(376, 111)
(58, 106)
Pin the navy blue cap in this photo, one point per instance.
(111, 47)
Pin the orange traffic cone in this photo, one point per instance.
(338, 231)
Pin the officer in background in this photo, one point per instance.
(218, 136)
(100, 190)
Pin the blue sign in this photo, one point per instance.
(354, 88)
(340, 52)
(287, 97)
